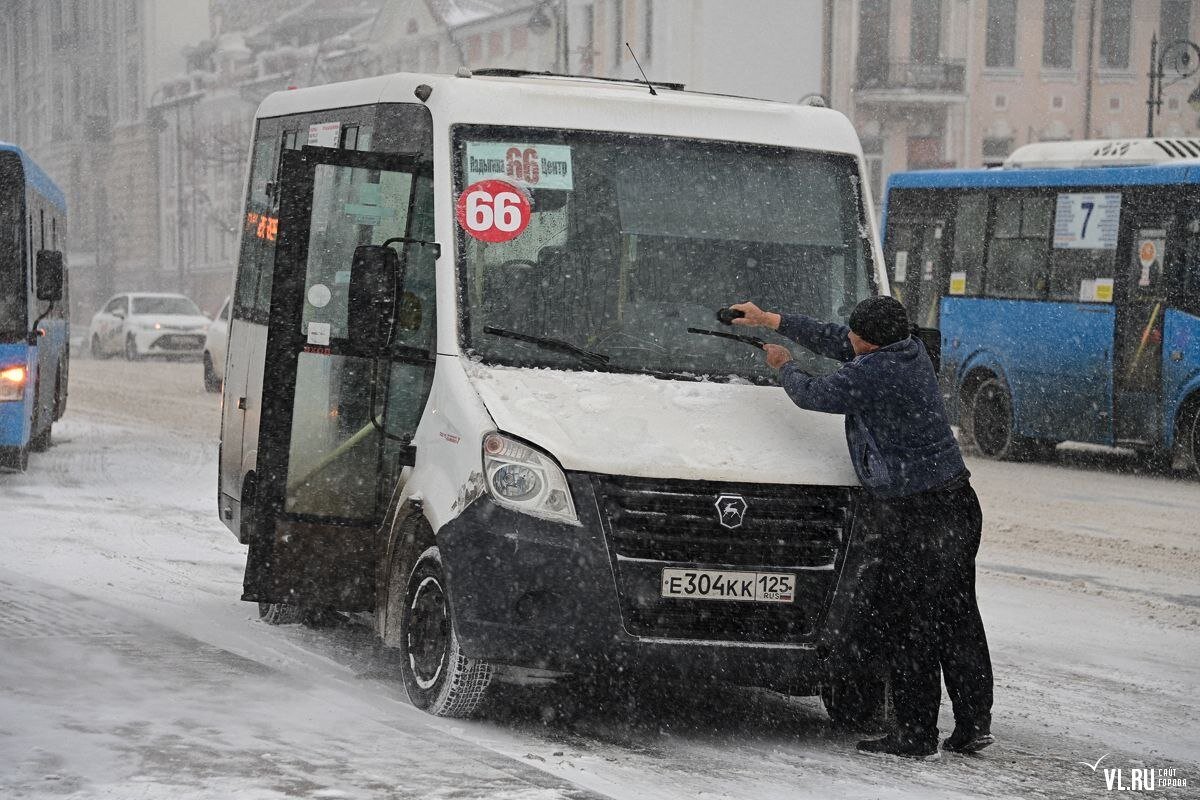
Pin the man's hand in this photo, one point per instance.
(777, 356)
(756, 316)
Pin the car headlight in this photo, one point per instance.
(526, 480)
(12, 383)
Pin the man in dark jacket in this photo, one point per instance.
(908, 460)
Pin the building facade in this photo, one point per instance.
(75, 80)
(962, 83)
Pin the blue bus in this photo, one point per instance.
(34, 327)
(1066, 285)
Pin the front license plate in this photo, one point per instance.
(711, 584)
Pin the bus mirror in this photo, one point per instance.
(374, 276)
(932, 339)
(49, 275)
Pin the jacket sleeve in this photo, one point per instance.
(843, 392)
(826, 339)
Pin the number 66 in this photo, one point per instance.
(503, 211)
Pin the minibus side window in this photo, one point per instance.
(1188, 299)
(260, 228)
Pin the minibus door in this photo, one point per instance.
(321, 445)
(915, 257)
(1142, 307)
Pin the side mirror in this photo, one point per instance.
(375, 275)
(932, 339)
(49, 275)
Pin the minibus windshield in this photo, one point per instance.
(626, 241)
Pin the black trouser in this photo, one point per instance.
(926, 609)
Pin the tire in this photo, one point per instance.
(14, 458)
(860, 704)
(97, 349)
(991, 423)
(211, 382)
(1193, 441)
(279, 613)
(40, 443)
(437, 676)
(131, 351)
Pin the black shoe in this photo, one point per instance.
(969, 738)
(893, 745)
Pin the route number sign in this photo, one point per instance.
(493, 211)
(1087, 221)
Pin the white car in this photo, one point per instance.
(214, 349)
(145, 324)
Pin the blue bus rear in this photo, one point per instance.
(34, 334)
(1068, 301)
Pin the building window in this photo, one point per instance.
(588, 63)
(618, 32)
(1114, 104)
(1057, 102)
(926, 38)
(495, 44)
(1173, 20)
(474, 50)
(1001, 33)
(411, 28)
(648, 33)
(996, 149)
(1114, 34)
(1058, 34)
(519, 37)
(873, 30)
(1000, 102)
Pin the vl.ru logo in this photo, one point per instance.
(1138, 779)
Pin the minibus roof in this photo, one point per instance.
(547, 101)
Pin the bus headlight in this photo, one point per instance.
(12, 383)
(526, 480)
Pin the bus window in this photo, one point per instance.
(258, 239)
(1016, 263)
(1188, 299)
(970, 225)
(1073, 271)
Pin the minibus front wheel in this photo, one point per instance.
(438, 677)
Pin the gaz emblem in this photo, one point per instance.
(731, 510)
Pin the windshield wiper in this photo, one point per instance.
(557, 345)
(753, 341)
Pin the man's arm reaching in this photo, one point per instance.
(842, 392)
(830, 340)
(825, 339)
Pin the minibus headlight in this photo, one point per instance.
(12, 383)
(524, 479)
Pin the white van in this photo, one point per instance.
(462, 392)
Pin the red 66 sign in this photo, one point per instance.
(493, 211)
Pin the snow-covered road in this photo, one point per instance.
(129, 669)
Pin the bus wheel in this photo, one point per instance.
(211, 382)
(279, 613)
(438, 677)
(97, 350)
(131, 350)
(1193, 442)
(859, 704)
(991, 420)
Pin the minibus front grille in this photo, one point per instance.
(651, 525)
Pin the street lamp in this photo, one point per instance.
(1182, 58)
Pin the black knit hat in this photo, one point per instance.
(880, 321)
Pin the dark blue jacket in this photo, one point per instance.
(896, 427)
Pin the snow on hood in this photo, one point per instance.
(646, 427)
